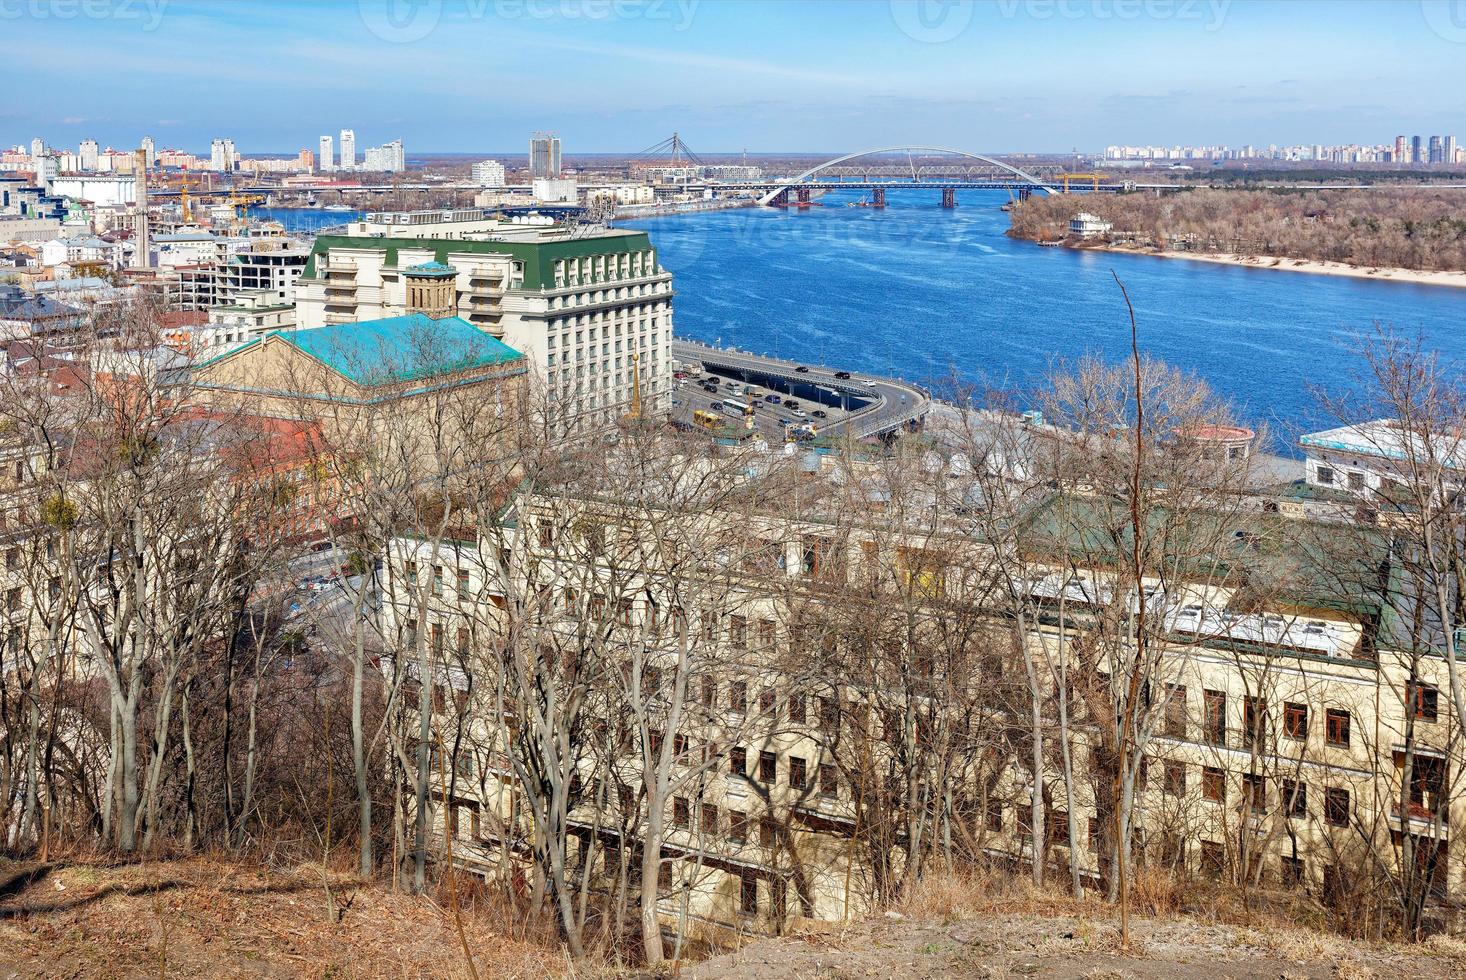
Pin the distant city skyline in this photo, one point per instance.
(477, 77)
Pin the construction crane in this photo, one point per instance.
(240, 203)
(183, 198)
(1093, 179)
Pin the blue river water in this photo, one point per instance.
(305, 219)
(925, 294)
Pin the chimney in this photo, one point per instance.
(141, 257)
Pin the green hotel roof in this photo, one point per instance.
(396, 349)
(538, 257)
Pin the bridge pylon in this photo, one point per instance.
(949, 197)
(878, 197)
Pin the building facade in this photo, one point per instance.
(593, 315)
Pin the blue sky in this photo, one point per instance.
(619, 75)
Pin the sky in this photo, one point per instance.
(730, 75)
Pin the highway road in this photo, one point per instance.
(858, 405)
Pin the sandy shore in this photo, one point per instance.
(1414, 276)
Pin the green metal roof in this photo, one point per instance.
(400, 349)
(538, 257)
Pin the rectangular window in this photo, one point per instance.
(748, 894)
(1324, 475)
(738, 632)
(1290, 869)
(1254, 721)
(1336, 807)
(796, 709)
(829, 780)
(766, 701)
(738, 696)
(768, 832)
(1214, 717)
(1356, 481)
(738, 761)
(709, 692)
(1426, 701)
(681, 812)
(829, 710)
(463, 592)
(1337, 727)
(1295, 799)
(1214, 784)
(1175, 721)
(768, 767)
(738, 825)
(1254, 792)
(709, 823)
(796, 772)
(1295, 720)
(1213, 859)
(1174, 782)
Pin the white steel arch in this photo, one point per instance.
(906, 149)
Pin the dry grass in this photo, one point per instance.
(207, 917)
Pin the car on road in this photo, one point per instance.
(792, 405)
(679, 375)
(820, 413)
(842, 374)
(801, 369)
(716, 406)
(799, 413)
(772, 399)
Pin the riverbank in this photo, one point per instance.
(1418, 277)
(635, 212)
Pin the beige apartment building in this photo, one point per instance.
(1298, 737)
(592, 313)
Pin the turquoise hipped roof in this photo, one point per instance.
(400, 349)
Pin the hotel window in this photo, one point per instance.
(1337, 730)
(1295, 720)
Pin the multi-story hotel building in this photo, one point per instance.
(592, 313)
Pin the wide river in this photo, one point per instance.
(925, 293)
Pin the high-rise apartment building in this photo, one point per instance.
(544, 155)
(88, 153)
(1402, 150)
(488, 173)
(348, 149)
(1451, 151)
(222, 156)
(150, 152)
(38, 148)
(326, 156)
(1417, 150)
(307, 160)
(1437, 151)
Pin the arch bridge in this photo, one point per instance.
(993, 173)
